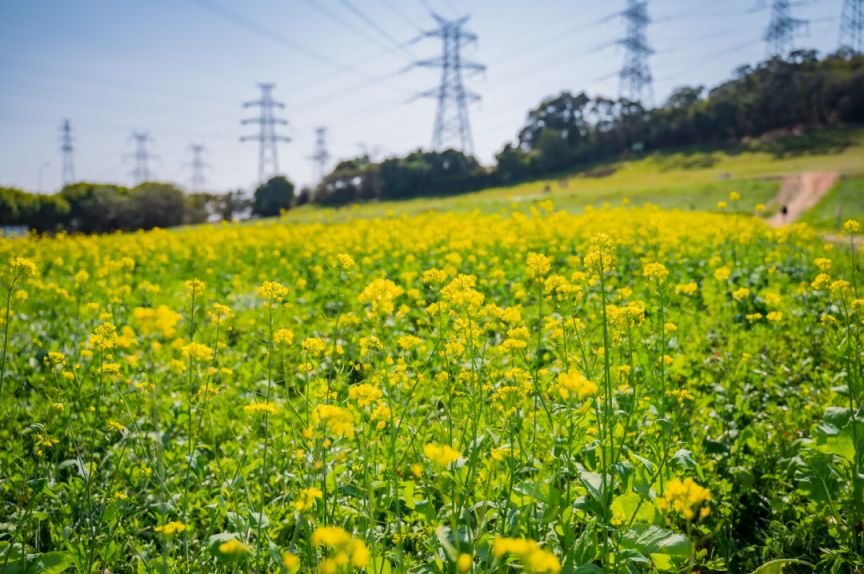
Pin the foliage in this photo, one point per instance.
(99, 208)
(629, 390)
(568, 130)
(272, 197)
(417, 174)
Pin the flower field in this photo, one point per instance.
(626, 390)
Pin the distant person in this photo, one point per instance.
(547, 189)
(784, 212)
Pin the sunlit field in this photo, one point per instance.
(626, 390)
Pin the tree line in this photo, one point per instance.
(572, 131)
(565, 132)
(100, 208)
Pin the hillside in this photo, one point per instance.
(695, 178)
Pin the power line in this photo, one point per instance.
(336, 18)
(635, 82)
(780, 34)
(67, 149)
(141, 172)
(263, 31)
(452, 126)
(374, 25)
(198, 179)
(852, 25)
(268, 157)
(400, 14)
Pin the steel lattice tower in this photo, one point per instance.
(852, 26)
(67, 148)
(780, 35)
(199, 181)
(634, 80)
(452, 126)
(321, 157)
(141, 172)
(268, 156)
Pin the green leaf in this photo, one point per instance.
(626, 504)
(379, 565)
(48, 563)
(776, 566)
(648, 539)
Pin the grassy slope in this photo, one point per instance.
(844, 201)
(689, 180)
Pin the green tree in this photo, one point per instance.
(272, 197)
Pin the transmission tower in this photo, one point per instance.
(452, 127)
(67, 148)
(634, 79)
(321, 157)
(780, 35)
(852, 26)
(199, 181)
(268, 157)
(141, 172)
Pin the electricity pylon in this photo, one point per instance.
(782, 29)
(452, 126)
(267, 138)
(634, 79)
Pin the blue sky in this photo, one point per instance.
(181, 72)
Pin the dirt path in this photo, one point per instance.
(799, 193)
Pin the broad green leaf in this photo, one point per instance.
(648, 539)
(776, 566)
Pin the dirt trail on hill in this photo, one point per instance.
(799, 193)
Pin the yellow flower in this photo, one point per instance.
(170, 529)
(442, 455)
(575, 383)
(197, 352)
(291, 562)
(380, 294)
(115, 426)
(234, 547)
(314, 346)
(335, 420)
(23, 267)
(851, 226)
(220, 311)
(538, 265)
(54, 358)
(103, 338)
(194, 287)
(261, 408)
(464, 562)
(307, 498)
(683, 496)
(348, 549)
(722, 273)
(734, 196)
(823, 264)
(686, 288)
(344, 261)
(533, 558)
(656, 271)
(272, 292)
(364, 394)
(283, 337)
(822, 281)
(721, 205)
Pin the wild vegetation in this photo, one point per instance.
(628, 390)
